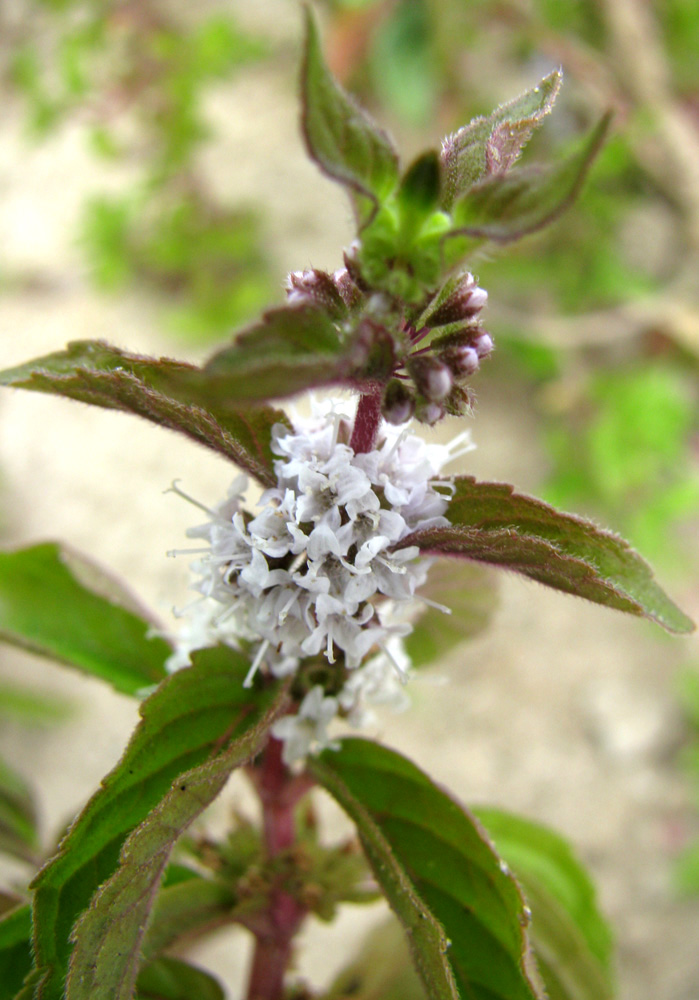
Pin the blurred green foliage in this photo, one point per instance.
(687, 867)
(137, 76)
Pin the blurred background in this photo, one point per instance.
(154, 192)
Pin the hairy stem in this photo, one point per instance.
(366, 423)
(278, 791)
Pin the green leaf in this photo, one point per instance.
(340, 136)
(491, 523)
(173, 394)
(57, 604)
(438, 871)
(491, 145)
(571, 939)
(471, 595)
(15, 950)
(291, 349)
(18, 819)
(173, 979)
(508, 206)
(197, 726)
(382, 970)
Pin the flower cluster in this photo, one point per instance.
(316, 571)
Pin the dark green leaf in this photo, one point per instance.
(55, 603)
(488, 146)
(15, 950)
(438, 871)
(491, 523)
(173, 979)
(471, 595)
(571, 939)
(175, 395)
(340, 137)
(18, 820)
(197, 726)
(508, 206)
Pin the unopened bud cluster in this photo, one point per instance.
(423, 368)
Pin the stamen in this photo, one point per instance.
(260, 655)
(174, 488)
(434, 604)
(171, 553)
(402, 674)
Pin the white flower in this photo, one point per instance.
(307, 730)
(314, 572)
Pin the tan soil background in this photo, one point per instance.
(563, 711)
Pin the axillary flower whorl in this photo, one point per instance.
(314, 571)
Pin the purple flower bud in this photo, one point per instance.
(316, 288)
(429, 413)
(432, 377)
(398, 403)
(462, 359)
(463, 304)
(483, 343)
(350, 258)
(349, 292)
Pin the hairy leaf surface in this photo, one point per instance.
(340, 136)
(505, 207)
(438, 871)
(57, 604)
(173, 394)
(491, 145)
(571, 939)
(491, 523)
(197, 726)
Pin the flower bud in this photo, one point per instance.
(349, 257)
(432, 377)
(398, 403)
(349, 292)
(463, 304)
(428, 412)
(314, 287)
(482, 343)
(462, 359)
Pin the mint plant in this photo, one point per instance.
(313, 608)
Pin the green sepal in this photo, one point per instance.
(196, 727)
(491, 523)
(464, 915)
(340, 136)
(58, 604)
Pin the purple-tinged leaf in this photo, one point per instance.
(462, 909)
(340, 136)
(173, 394)
(491, 145)
(57, 604)
(196, 728)
(290, 350)
(491, 523)
(505, 207)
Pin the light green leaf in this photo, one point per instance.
(340, 136)
(173, 394)
(382, 970)
(57, 604)
(438, 871)
(491, 145)
(187, 909)
(197, 726)
(470, 593)
(173, 979)
(571, 939)
(505, 207)
(491, 523)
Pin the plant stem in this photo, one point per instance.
(279, 791)
(366, 423)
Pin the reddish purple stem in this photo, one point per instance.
(366, 423)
